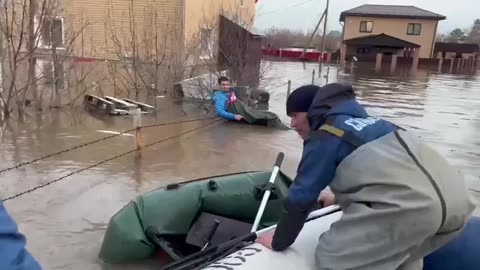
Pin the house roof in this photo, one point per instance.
(253, 31)
(456, 47)
(392, 11)
(381, 40)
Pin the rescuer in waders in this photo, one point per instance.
(400, 199)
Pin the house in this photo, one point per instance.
(406, 31)
(241, 52)
(112, 29)
(456, 50)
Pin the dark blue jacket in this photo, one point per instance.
(323, 152)
(13, 254)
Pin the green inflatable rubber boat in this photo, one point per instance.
(181, 219)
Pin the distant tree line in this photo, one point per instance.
(283, 38)
(471, 35)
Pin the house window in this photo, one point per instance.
(414, 29)
(366, 26)
(46, 72)
(52, 33)
(207, 43)
(242, 3)
(363, 50)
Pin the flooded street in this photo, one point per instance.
(65, 222)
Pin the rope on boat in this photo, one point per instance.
(107, 160)
(98, 140)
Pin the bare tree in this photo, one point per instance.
(226, 47)
(17, 23)
(33, 30)
(144, 51)
(474, 33)
(153, 55)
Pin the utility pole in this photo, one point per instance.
(325, 27)
(313, 34)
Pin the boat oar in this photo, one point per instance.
(153, 235)
(210, 234)
(266, 195)
(196, 258)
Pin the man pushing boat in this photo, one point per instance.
(229, 107)
(400, 199)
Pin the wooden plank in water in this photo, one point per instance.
(119, 101)
(140, 104)
(106, 101)
(99, 98)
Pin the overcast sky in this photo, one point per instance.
(304, 14)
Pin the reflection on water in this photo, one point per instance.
(65, 222)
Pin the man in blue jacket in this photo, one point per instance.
(400, 199)
(13, 254)
(222, 98)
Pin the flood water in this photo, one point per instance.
(65, 222)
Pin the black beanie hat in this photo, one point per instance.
(301, 98)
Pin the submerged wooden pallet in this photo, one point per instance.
(114, 106)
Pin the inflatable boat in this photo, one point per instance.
(174, 215)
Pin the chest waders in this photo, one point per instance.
(401, 201)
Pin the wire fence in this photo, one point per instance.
(107, 160)
(96, 141)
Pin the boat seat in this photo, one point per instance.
(227, 229)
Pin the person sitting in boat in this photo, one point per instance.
(13, 254)
(401, 200)
(222, 98)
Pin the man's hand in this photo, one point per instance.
(326, 198)
(266, 239)
(238, 117)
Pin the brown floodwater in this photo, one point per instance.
(65, 222)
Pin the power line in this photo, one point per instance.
(281, 9)
(96, 141)
(106, 160)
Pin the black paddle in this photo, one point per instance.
(152, 235)
(210, 234)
